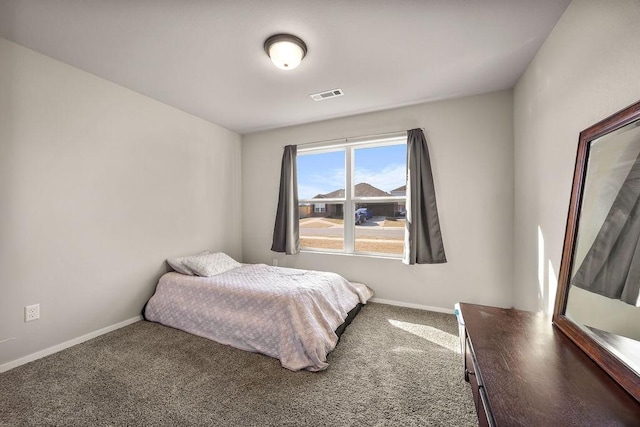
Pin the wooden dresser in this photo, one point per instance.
(525, 372)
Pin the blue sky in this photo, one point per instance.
(382, 167)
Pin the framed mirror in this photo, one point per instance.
(598, 299)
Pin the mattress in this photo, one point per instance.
(289, 314)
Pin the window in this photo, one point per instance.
(352, 197)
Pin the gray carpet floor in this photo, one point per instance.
(394, 366)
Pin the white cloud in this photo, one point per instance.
(390, 178)
(321, 183)
(308, 191)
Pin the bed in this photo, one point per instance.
(290, 314)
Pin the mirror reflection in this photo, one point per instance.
(604, 296)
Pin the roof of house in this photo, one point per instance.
(334, 194)
(361, 190)
(367, 190)
(403, 188)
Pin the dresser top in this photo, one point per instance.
(534, 375)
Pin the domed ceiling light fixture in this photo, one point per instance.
(285, 50)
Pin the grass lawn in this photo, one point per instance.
(320, 222)
(383, 246)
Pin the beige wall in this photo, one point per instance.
(587, 69)
(98, 186)
(471, 145)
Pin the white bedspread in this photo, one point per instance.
(284, 313)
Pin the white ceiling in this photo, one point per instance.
(206, 57)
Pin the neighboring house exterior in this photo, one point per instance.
(304, 211)
(336, 210)
(328, 210)
(402, 208)
(400, 191)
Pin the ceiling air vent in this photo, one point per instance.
(327, 94)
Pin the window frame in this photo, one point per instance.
(349, 201)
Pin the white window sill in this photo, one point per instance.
(358, 254)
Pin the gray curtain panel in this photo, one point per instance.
(612, 265)
(423, 239)
(286, 230)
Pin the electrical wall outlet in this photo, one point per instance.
(31, 312)
(275, 262)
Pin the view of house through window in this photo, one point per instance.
(352, 197)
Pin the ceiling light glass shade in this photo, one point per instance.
(286, 51)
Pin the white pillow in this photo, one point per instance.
(177, 263)
(211, 264)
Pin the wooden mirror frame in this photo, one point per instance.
(619, 371)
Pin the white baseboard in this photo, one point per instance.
(411, 305)
(59, 347)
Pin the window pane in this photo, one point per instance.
(321, 175)
(322, 226)
(377, 232)
(374, 171)
(380, 171)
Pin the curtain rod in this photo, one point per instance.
(377, 135)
